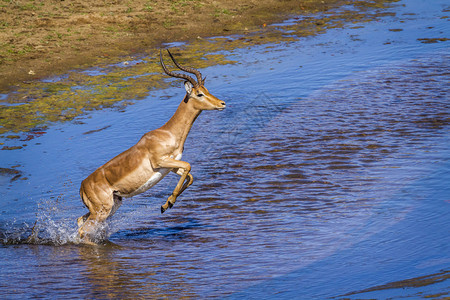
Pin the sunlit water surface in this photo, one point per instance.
(326, 176)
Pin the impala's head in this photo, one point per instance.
(196, 91)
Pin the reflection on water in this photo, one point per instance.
(304, 185)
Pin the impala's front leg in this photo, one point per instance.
(187, 183)
(183, 170)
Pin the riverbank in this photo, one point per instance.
(43, 86)
(44, 38)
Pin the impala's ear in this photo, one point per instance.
(188, 87)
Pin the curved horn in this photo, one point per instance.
(182, 76)
(188, 69)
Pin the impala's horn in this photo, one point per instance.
(200, 80)
(176, 75)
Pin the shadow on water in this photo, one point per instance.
(177, 232)
(411, 283)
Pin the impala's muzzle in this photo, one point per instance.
(223, 106)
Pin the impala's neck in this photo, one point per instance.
(181, 122)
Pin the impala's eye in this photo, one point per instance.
(200, 95)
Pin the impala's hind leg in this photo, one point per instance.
(117, 203)
(82, 219)
(89, 230)
(101, 205)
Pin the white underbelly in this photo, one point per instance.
(154, 179)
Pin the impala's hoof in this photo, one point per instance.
(162, 209)
(170, 204)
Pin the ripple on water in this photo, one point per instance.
(293, 187)
(311, 176)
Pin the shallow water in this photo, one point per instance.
(326, 176)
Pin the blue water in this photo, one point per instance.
(326, 176)
(414, 245)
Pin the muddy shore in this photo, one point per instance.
(66, 59)
(44, 38)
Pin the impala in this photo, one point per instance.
(156, 154)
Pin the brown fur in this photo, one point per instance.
(156, 151)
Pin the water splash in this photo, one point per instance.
(51, 227)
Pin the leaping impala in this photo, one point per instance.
(156, 154)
